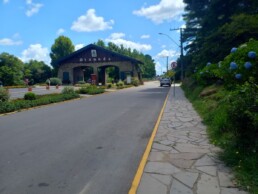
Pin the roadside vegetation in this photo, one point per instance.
(91, 90)
(226, 96)
(32, 100)
(221, 79)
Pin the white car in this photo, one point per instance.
(165, 81)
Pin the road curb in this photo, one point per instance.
(138, 175)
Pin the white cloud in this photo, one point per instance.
(60, 31)
(32, 8)
(91, 22)
(117, 35)
(78, 46)
(16, 35)
(160, 68)
(117, 38)
(9, 42)
(168, 53)
(36, 52)
(145, 36)
(5, 1)
(166, 10)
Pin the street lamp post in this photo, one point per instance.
(181, 51)
(167, 60)
(180, 46)
(167, 63)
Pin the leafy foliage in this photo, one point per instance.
(231, 109)
(243, 111)
(30, 96)
(81, 82)
(148, 68)
(120, 83)
(135, 81)
(62, 47)
(4, 95)
(37, 71)
(214, 27)
(236, 64)
(54, 81)
(15, 105)
(68, 90)
(92, 90)
(11, 69)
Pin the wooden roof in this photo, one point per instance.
(93, 54)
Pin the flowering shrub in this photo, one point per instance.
(233, 66)
(239, 74)
(234, 49)
(237, 68)
(248, 65)
(252, 55)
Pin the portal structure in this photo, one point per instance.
(92, 62)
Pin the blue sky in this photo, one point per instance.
(29, 27)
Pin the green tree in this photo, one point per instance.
(11, 69)
(148, 68)
(214, 27)
(101, 43)
(37, 71)
(62, 47)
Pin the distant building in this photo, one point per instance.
(91, 62)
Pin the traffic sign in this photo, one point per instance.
(173, 65)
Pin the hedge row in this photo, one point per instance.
(92, 90)
(16, 105)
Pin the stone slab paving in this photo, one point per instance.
(182, 161)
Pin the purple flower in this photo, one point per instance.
(234, 49)
(233, 66)
(238, 76)
(248, 65)
(252, 54)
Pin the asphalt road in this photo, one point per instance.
(93, 145)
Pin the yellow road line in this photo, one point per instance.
(138, 175)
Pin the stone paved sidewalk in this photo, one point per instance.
(182, 161)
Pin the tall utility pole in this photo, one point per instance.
(181, 51)
(167, 63)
